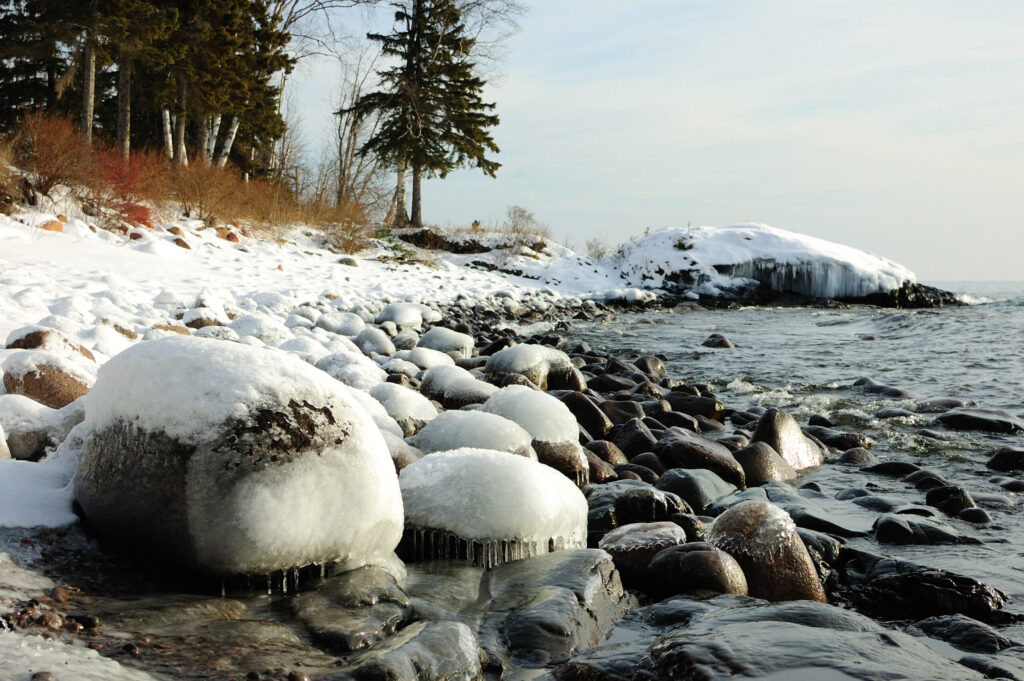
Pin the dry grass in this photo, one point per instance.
(346, 225)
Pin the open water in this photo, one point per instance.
(805, 360)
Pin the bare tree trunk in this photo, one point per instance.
(88, 87)
(165, 114)
(417, 204)
(397, 215)
(124, 108)
(212, 132)
(180, 154)
(199, 141)
(229, 141)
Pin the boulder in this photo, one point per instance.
(988, 420)
(633, 546)
(762, 463)
(1007, 459)
(696, 567)
(622, 502)
(535, 362)
(964, 633)
(680, 448)
(781, 431)
(446, 340)
(423, 651)
(698, 487)
(50, 379)
(209, 454)
(455, 429)
(717, 340)
(43, 338)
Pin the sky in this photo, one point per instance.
(895, 126)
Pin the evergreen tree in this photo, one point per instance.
(433, 118)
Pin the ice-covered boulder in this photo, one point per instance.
(465, 391)
(549, 422)
(48, 378)
(344, 323)
(234, 460)
(436, 379)
(476, 429)
(425, 358)
(262, 327)
(352, 369)
(31, 427)
(373, 341)
(43, 338)
(403, 315)
(535, 362)
(489, 507)
(446, 340)
(409, 408)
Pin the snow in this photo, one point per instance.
(455, 429)
(22, 656)
(436, 379)
(406, 406)
(425, 358)
(488, 495)
(374, 341)
(446, 340)
(352, 369)
(540, 414)
(403, 315)
(23, 362)
(40, 494)
(344, 323)
(533, 361)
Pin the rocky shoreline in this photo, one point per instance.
(704, 555)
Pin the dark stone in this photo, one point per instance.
(642, 472)
(839, 440)
(652, 366)
(857, 456)
(707, 425)
(895, 469)
(620, 411)
(761, 463)
(649, 460)
(975, 515)
(988, 420)
(889, 587)
(633, 546)
(607, 383)
(940, 405)
(600, 471)
(680, 448)
(949, 499)
(717, 340)
(565, 457)
(899, 529)
(572, 379)
(493, 347)
(589, 416)
(699, 488)
(551, 606)
(675, 419)
(781, 431)
(819, 420)
(742, 418)
(696, 567)
(870, 386)
(518, 379)
(632, 437)
(964, 633)
(622, 502)
(696, 406)
(1007, 459)
(423, 651)
(695, 528)
(607, 452)
(892, 413)
(925, 479)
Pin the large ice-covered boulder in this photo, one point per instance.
(447, 340)
(477, 429)
(536, 362)
(402, 315)
(406, 406)
(234, 460)
(489, 507)
(554, 429)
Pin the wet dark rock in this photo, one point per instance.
(708, 425)
(964, 633)
(824, 550)
(819, 420)
(900, 529)
(649, 460)
(1007, 459)
(565, 457)
(494, 346)
(620, 411)
(857, 456)
(696, 567)
(675, 419)
(1009, 484)
(889, 587)
(998, 667)
(762, 463)
(699, 487)
(633, 546)
(839, 440)
(695, 528)
(622, 502)
(895, 469)
(551, 606)
(680, 448)
(781, 431)
(940, 405)
(717, 340)
(988, 420)
(589, 416)
(652, 366)
(607, 383)
(572, 379)
(801, 640)
(935, 435)
(871, 386)
(607, 452)
(742, 418)
(851, 493)
(696, 406)
(517, 379)
(424, 651)
(353, 610)
(925, 479)
(600, 471)
(764, 541)
(632, 437)
(892, 413)
(950, 499)
(642, 472)
(804, 508)
(975, 515)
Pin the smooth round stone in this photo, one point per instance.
(633, 546)
(694, 568)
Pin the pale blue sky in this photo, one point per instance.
(896, 126)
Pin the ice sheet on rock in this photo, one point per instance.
(205, 383)
(21, 656)
(404, 315)
(217, 332)
(447, 340)
(343, 323)
(267, 329)
(435, 380)
(546, 418)
(785, 261)
(353, 369)
(425, 358)
(406, 406)
(374, 341)
(458, 429)
(487, 495)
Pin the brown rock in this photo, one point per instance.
(52, 226)
(633, 546)
(761, 463)
(49, 339)
(174, 328)
(47, 385)
(181, 243)
(176, 231)
(695, 567)
(63, 218)
(232, 237)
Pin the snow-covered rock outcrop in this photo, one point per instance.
(234, 460)
(708, 259)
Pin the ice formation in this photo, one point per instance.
(489, 507)
(543, 416)
(721, 257)
(480, 430)
(435, 380)
(446, 340)
(234, 460)
(757, 529)
(376, 411)
(462, 391)
(406, 406)
(533, 361)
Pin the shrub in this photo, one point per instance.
(120, 188)
(525, 230)
(208, 193)
(597, 248)
(52, 150)
(345, 225)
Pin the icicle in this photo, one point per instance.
(284, 582)
(223, 589)
(270, 585)
(323, 571)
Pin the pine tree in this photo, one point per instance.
(433, 118)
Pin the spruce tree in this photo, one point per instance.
(433, 118)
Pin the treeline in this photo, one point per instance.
(196, 78)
